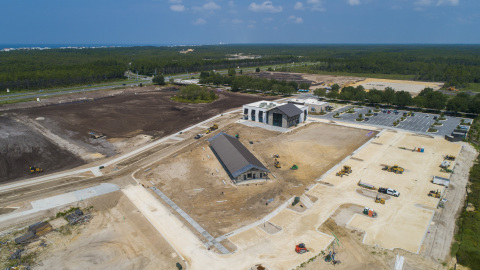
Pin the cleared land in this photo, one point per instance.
(414, 87)
(195, 180)
(56, 136)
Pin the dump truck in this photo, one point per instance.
(395, 168)
(301, 248)
(389, 191)
(34, 169)
(346, 170)
(369, 212)
(379, 200)
(365, 185)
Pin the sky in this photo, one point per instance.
(177, 22)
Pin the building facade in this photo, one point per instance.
(275, 114)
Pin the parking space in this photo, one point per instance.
(418, 122)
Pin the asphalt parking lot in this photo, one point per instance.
(419, 123)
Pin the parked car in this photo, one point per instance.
(389, 112)
(435, 117)
(375, 114)
(198, 136)
(366, 118)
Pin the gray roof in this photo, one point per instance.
(234, 155)
(289, 109)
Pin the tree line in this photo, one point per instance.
(427, 98)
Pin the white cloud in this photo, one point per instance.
(354, 2)
(178, 8)
(448, 2)
(266, 6)
(211, 6)
(295, 19)
(237, 21)
(200, 21)
(316, 5)
(298, 6)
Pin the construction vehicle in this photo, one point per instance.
(301, 248)
(389, 191)
(277, 164)
(369, 212)
(448, 157)
(452, 88)
(276, 156)
(212, 128)
(237, 136)
(34, 169)
(379, 200)
(346, 170)
(435, 194)
(294, 167)
(395, 168)
(365, 185)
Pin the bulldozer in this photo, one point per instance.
(395, 168)
(435, 194)
(346, 170)
(34, 169)
(301, 248)
(379, 200)
(277, 164)
(214, 127)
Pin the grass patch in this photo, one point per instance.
(468, 236)
(66, 212)
(318, 113)
(473, 87)
(13, 101)
(432, 130)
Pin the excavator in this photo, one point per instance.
(435, 194)
(301, 248)
(346, 170)
(449, 157)
(379, 200)
(277, 164)
(395, 168)
(34, 169)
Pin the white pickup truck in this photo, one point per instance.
(389, 191)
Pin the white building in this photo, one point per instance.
(314, 105)
(275, 114)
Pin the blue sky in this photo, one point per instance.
(239, 21)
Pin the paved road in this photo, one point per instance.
(418, 123)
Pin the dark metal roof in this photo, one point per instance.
(289, 109)
(234, 155)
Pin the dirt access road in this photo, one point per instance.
(55, 137)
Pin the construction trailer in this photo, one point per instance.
(441, 181)
(365, 185)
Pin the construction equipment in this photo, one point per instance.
(276, 156)
(237, 136)
(301, 248)
(435, 194)
(294, 167)
(365, 185)
(448, 157)
(346, 170)
(395, 168)
(452, 88)
(214, 127)
(277, 164)
(369, 212)
(379, 200)
(34, 169)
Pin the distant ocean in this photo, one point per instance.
(2, 46)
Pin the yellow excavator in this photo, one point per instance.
(34, 169)
(435, 194)
(346, 170)
(379, 200)
(395, 168)
(277, 164)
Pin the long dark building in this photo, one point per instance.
(239, 163)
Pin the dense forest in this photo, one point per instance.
(456, 65)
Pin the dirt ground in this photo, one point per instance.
(22, 147)
(117, 237)
(195, 180)
(43, 136)
(414, 87)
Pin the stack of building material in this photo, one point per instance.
(34, 231)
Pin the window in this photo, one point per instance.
(253, 176)
(245, 111)
(244, 177)
(313, 109)
(261, 175)
(249, 176)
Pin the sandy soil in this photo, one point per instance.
(321, 80)
(194, 178)
(118, 237)
(414, 87)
